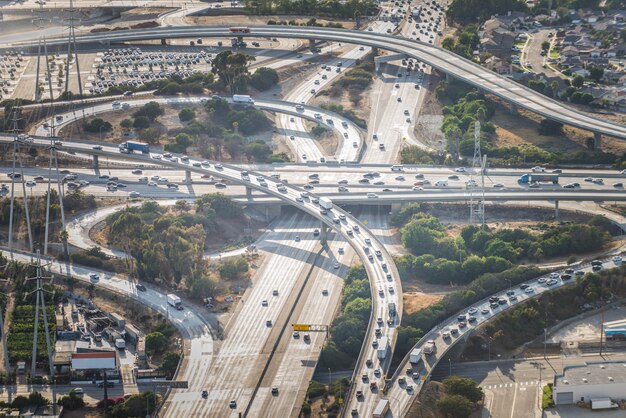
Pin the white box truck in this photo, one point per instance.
(603, 403)
(326, 203)
(381, 409)
(242, 98)
(415, 356)
(174, 301)
(383, 346)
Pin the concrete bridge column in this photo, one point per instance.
(513, 109)
(449, 78)
(597, 141)
(395, 207)
(95, 162)
(248, 192)
(323, 233)
(187, 176)
(312, 44)
(556, 210)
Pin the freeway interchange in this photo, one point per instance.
(217, 370)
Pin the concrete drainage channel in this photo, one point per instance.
(313, 259)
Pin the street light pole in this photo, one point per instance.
(450, 363)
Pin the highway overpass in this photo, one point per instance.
(441, 59)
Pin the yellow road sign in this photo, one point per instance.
(301, 327)
(364, 221)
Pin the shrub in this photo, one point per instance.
(186, 115)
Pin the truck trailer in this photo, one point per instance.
(130, 146)
(381, 409)
(415, 356)
(120, 344)
(242, 98)
(326, 203)
(538, 178)
(383, 346)
(174, 301)
(429, 347)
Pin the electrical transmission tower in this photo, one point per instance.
(477, 190)
(40, 301)
(17, 157)
(72, 52)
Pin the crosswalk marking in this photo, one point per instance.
(510, 385)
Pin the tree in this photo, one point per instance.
(182, 206)
(545, 45)
(151, 110)
(98, 125)
(186, 115)
(578, 81)
(264, 78)
(155, 342)
(169, 363)
(596, 73)
(550, 127)
(141, 122)
(454, 406)
(233, 268)
(126, 124)
(232, 70)
(457, 385)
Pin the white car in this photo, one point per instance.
(538, 169)
(134, 194)
(617, 259)
(460, 169)
(372, 195)
(152, 184)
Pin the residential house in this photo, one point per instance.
(498, 65)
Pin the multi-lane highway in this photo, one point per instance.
(384, 280)
(408, 378)
(436, 57)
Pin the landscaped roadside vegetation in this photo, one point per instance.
(167, 244)
(523, 323)
(483, 259)
(348, 329)
(219, 131)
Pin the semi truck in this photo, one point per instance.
(381, 409)
(326, 203)
(174, 301)
(383, 346)
(130, 146)
(242, 98)
(615, 330)
(415, 356)
(538, 178)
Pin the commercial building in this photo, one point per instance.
(589, 381)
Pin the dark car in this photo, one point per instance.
(141, 287)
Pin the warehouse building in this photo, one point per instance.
(590, 381)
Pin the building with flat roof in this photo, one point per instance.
(592, 380)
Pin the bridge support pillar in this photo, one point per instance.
(513, 109)
(163, 41)
(449, 77)
(323, 233)
(187, 176)
(248, 192)
(312, 44)
(556, 210)
(395, 207)
(95, 162)
(597, 141)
